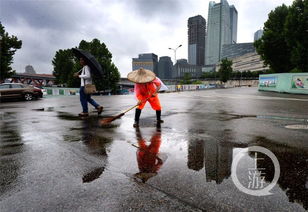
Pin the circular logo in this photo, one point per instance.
(263, 191)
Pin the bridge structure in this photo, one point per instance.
(38, 80)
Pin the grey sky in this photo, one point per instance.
(127, 27)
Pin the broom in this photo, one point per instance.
(111, 119)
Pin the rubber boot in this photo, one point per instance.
(158, 117)
(137, 116)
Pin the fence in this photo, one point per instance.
(286, 83)
(54, 91)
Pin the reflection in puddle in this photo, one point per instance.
(148, 158)
(11, 143)
(297, 127)
(216, 158)
(68, 116)
(93, 175)
(294, 169)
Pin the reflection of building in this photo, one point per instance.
(218, 161)
(258, 34)
(195, 158)
(196, 40)
(293, 177)
(165, 67)
(220, 30)
(147, 61)
(182, 67)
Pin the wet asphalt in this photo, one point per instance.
(52, 160)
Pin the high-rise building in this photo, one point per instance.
(165, 67)
(233, 22)
(196, 40)
(222, 29)
(258, 34)
(148, 61)
(235, 50)
(182, 66)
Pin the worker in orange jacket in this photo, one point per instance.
(146, 90)
(148, 158)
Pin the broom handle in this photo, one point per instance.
(130, 109)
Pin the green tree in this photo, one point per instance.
(272, 46)
(8, 47)
(104, 57)
(225, 70)
(65, 65)
(296, 31)
(186, 79)
(208, 75)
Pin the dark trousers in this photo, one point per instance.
(84, 99)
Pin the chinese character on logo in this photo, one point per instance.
(256, 180)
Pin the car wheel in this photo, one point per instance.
(28, 96)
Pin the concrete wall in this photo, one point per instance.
(286, 83)
(234, 83)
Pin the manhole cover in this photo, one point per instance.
(297, 127)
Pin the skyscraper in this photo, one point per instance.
(222, 29)
(196, 40)
(165, 68)
(233, 22)
(258, 34)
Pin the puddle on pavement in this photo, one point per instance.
(214, 159)
(217, 159)
(93, 175)
(283, 118)
(10, 107)
(69, 117)
(297, 127)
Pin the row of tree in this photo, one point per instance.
(284, 44)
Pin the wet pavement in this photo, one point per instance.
(50, 159)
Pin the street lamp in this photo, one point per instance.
(175, 64)
(174, 50)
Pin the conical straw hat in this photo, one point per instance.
(141, 75)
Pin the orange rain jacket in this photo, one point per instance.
(144, 91)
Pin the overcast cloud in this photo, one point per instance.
(127, 27)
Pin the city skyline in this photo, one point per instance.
(128, 28)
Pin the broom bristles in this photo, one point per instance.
(109, 120)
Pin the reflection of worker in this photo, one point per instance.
(299, 83)
(146, 89)
(147, 156)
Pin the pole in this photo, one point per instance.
(174, 50)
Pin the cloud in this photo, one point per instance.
(127, 27)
